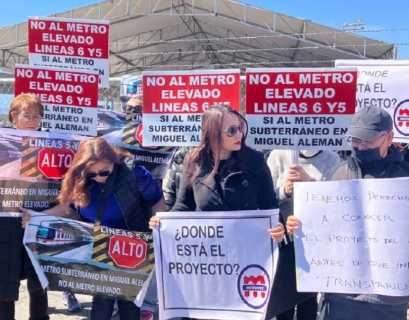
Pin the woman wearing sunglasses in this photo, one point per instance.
(222, 173)
(131, 192)
(25, 113)
(126, 208)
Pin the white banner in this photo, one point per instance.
(353, 236)
(215, 265)
(384, 84)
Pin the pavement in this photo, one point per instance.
(57, 310)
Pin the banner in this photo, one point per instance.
(70, 98)
(35, 194)
(69, 255)
(299, 108)
(36, 154)
(215, 265)
(44, 155)
(173, 103)
(70, 43)
(353, 236)
(384, 84)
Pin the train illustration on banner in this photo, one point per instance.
(54, 235)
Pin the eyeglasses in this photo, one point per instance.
(232, 130)
(102, 173)
(27, 118)
(137, 108)
(364, 143)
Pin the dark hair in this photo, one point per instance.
(74, 187)
(206, 157)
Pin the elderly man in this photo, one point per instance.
(373, 157)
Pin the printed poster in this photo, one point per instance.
(215, 265)
(74, 256)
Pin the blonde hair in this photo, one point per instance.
(25, 99)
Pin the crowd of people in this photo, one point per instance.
(100, 186)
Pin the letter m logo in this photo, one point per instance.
(255, 284)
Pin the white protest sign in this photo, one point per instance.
(215, 265)
(70, 97)
(174, 101)
(70, 43)
(353, 236)
(299, 108)
(384, 84)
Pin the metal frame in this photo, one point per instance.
(206, 34)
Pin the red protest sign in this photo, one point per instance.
(173, 103)
(70, 43)
(70, 98)
(54, 163)
(302, 92)
(189, 92)
(127, 252)
(299, 108)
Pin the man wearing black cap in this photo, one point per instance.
(373, 157)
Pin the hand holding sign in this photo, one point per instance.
(298, 174)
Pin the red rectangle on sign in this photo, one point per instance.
(68, 38)
(189, 93)
(300, 92)
(58, 86)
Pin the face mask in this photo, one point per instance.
(309, 153)
(367, 156)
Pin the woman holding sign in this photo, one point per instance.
(222, 173)
(26, 112)
(105, 190)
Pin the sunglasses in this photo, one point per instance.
(136, 108)
(232, 130)
(103, 173)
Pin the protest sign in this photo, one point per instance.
(215, 265)
(29, 193)
(70, 43)
(173, 103)
(36, 154)
(74, 256)
(383, 84)
(350, 241)
(299, 108)
(70, 98)
(44, 155)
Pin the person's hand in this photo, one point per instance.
(26, 217)
(277, 233)
(292, 224)
(154, 222)
(297, 174)
(289, 188)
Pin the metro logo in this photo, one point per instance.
(254, 285)
(251, 284)
(403, 117)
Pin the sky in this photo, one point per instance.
(388, 16)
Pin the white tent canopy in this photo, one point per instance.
(205, 34)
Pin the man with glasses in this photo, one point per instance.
(373, 157)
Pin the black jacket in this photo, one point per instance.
(248, 187)
(171, 188)
(135, 212)
(392, 166)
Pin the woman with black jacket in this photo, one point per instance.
(222, 173)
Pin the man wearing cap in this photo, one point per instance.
(373, 157)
